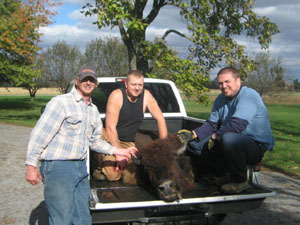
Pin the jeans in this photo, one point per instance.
(240, 150)
(66, 191)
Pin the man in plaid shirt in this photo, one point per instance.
(61, 139)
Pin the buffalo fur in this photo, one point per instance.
(162, 161)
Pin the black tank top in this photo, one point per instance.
(130, 117)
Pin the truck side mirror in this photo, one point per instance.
(43, 109)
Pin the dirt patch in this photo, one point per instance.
(22, 91)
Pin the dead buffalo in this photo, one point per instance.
(169, 169)
(162, 162)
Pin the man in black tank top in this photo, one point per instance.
(124, 114)
(130, 117)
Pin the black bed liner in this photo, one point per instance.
(117, 192)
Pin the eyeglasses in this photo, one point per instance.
(90, 79)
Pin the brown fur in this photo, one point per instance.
(161, 159)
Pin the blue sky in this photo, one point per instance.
(63, 16)
(76, 29)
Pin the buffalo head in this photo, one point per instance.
(169, 170)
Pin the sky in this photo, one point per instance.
(73, 27)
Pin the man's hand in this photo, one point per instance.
(128, 152)
(121, 162)
(122, 156)
(33, 175)
(185, 135)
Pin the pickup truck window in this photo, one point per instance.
(162, 92)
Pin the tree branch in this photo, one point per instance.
(139, 8)
(176, 32)
(122, 31)
(156, 6)
(130, 3)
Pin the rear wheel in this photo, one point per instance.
(215, 219)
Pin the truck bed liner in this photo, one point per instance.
(115, 194)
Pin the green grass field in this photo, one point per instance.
(285, 123)
(20, 110)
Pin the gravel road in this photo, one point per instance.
(21, 203)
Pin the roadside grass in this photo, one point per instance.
(285, 157)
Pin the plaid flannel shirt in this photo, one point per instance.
(66, 130)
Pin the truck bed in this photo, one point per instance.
(118, 202)
(113, 201)
(108, 193)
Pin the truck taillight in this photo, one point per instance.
(120, 79)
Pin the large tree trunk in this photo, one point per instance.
(136, 52)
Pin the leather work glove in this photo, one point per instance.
(185, 135)
(210, 143)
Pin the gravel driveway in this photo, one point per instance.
(21, 203)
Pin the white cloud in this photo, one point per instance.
(78, 16)
(265, 10)
(73, 35)
(285, 15)
(76, 2)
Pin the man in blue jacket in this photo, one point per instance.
(238, 127)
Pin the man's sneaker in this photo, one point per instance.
(234, 188)
(220, 181)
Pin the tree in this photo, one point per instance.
(19, 36)
(109, 56)
(211, 25)
(213, 84)
(60, 64)
(268, 75)
(296, 85)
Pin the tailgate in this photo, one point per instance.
(115, 195)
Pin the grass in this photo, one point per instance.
(285, 123)
(20, 110)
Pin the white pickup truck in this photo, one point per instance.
(115, 202)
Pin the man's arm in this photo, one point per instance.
(151, 104)
(207, 129)
(235, 125)
(43, 132)
(113, 107)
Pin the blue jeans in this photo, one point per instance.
(66, 191)
(240, 150)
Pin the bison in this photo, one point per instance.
(163, 162)
(169, 169)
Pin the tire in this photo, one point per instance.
(215, 219)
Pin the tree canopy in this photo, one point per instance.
(268, 74)
(109, 56)
(60, 64)
(211, 27)
(19, 36)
